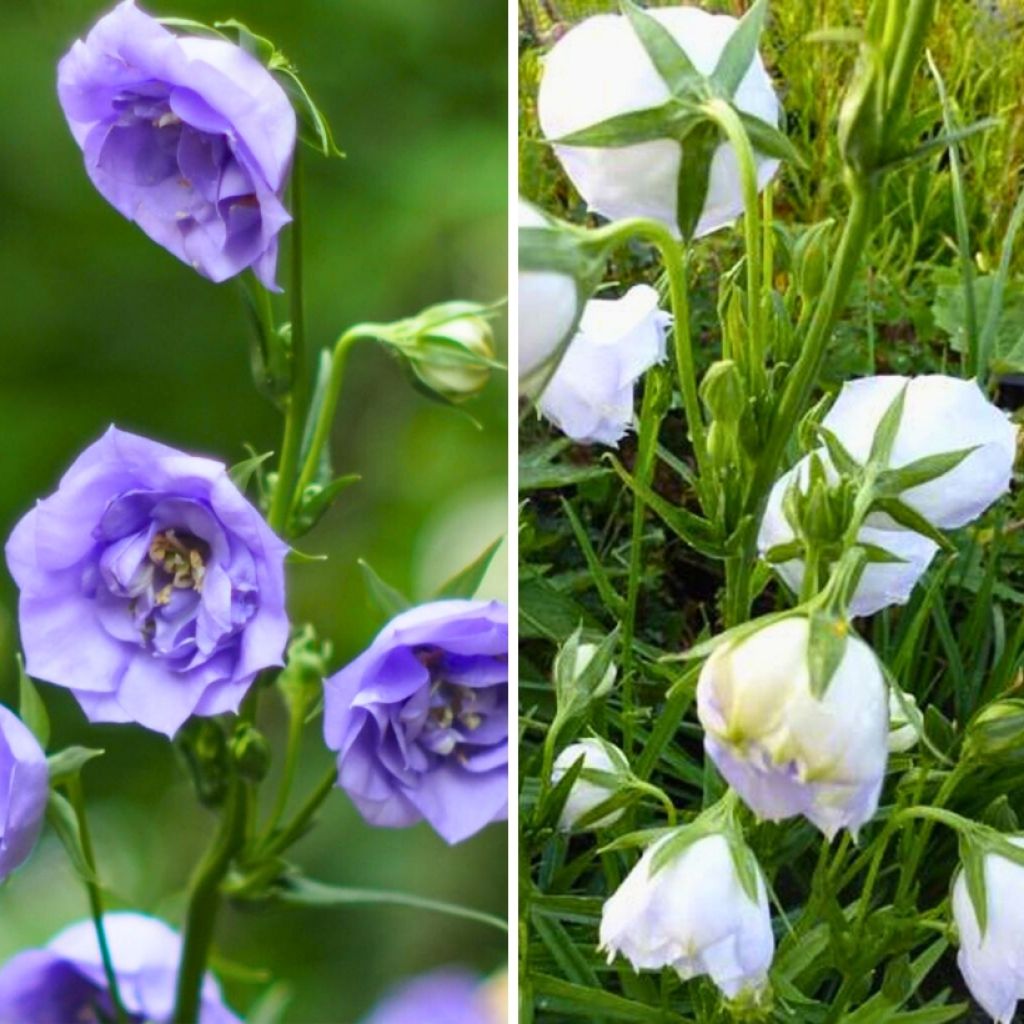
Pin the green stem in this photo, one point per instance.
(297, 398)
(204, 903)
(297, 826)
(291, 762)
(77, 798)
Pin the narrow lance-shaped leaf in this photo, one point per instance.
(667, 56)
(740, 50)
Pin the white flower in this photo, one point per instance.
(940, 414)
(993, 965)
(882, 583)
(548, 303)
(692, 915)
(599, 69)
(784, 750)
(590, 396)
(903, 724)
(585, 795)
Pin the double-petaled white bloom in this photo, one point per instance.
(694, 915)
(881, 583)
(590, 396)
(993, 963)
(940, 414)
(785, 750)
(587, 794)
(599, 70)
(548, 304)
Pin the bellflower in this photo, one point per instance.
(24, 790)
(590, 396)
(150, 587)
(992, 964)
(65, 981)
(598, 755)
(419, 720)
(446, 996)
(694, 916)
(548, 304)
(784, 750)
(191, 138)
(940, 414)
(882, 583)
(599, 70)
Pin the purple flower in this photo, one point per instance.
(446, 996)
(150, 587)
(24, 789)
(420, 720)
(65, 981)
(191, 138)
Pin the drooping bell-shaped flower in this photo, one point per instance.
(786, 749)
(24, 789)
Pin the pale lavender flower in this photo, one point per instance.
(420, 720)
(446, 996)
(150, 587)
(191, 138)
(24, 788)
(65, 980)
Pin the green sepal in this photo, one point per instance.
(910, 518)
(242, 473)
(843, 461)
(317, 499)
(668, 121)
(31, 709)
(694, 176)
(668, 57)
(972, 856)
(61, 817)
(780, 553)
(888, 426)
(466, 582)
(878, 555)
(891, 482)
(826, 647)
(769, 141)
(748, 871)
(67, 764)
(739, 51)
(574, 689)
(386, 598)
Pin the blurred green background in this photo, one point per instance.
(98, 325)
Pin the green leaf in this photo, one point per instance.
(271, 1006)
(888, 426)
(769, 141)
(387, 598)
(305, 892)
(892, 482)
(566, 954)
(739, 51)
(466, 582)
(61, 817)
(560, 998)
(972, 855)
(628, 129)
(694, 174)
(825, 650)
(668, 57)
(31, 709)
(66, 764)
(613, 601)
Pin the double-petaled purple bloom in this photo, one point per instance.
(420, 720)
(446, 996)
(24, 788)
(65, 981)
(150, 587)
(191, 138)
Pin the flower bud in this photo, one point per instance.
(590, 395)
(785, 750)
(723, 392)
(940, 414)
(989, 957)
(692, 914)
(548, 304)
(586, 794)
(453, 350)
(904, 722)
(882, 583)
(996, 734)
(599, 70)
(251, 752)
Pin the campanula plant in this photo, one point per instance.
(153, 582)
(796, 800)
